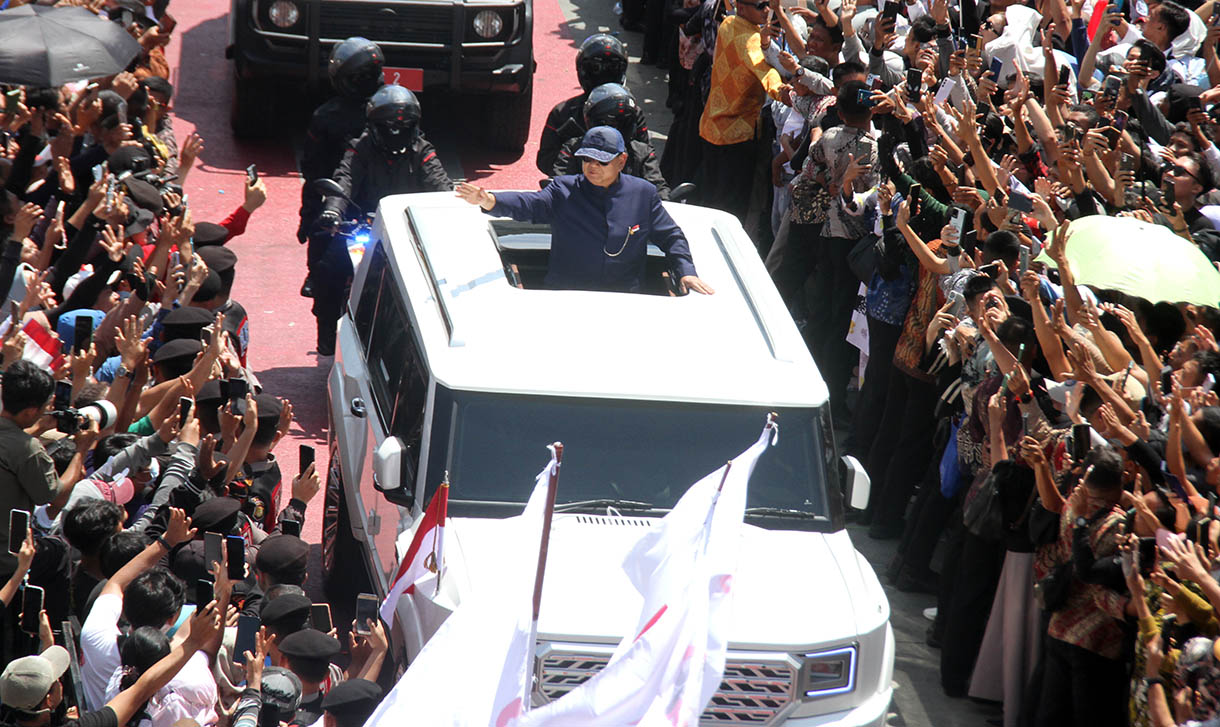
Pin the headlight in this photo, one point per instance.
(284, 13)
(828, 672)
(488, 24)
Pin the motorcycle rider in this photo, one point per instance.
(601, 59)
(611, 104)
(391, 157)
(355, 70)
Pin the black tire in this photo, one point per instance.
(343, 571)
(252, 114)
(509, 120)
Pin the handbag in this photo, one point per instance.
(1053, 590)
(864, 257)
(983, 514)
(1002, 504)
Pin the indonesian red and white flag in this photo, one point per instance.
(475, 671)
(666, 670)
(41, 346)
(424, 556)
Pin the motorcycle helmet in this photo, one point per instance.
(601, 59)
(611, 104)
(355, 67)
(393, 118)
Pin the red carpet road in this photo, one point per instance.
(272, 263)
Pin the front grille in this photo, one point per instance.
(751, 693)
(418, 23)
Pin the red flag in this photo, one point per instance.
(42, 348)
(425, 554)
(1099, 12)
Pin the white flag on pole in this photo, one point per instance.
(668, 669)
(474, 672)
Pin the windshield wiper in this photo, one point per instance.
(779, 512)
(605, 502)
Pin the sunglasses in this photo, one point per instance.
(1178, 170)
(590, 160)
(758, 5)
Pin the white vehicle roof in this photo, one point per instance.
(739, 346)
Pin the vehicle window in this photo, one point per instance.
(525, 250)
(627, 450)
(396, 372)
(367, 305)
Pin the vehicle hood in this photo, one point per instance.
(793, 589)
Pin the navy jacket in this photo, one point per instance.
(592, 246)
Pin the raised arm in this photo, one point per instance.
(178, 532)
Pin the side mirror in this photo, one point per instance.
(327, 188)
(858, 483)
(387, 473)
(681, 192)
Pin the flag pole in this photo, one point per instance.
(531, 664)
(437, 546)
(546, 528)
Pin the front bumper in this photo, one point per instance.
(871, 713)
(434, 40)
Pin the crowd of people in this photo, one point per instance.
(134, 436)
(922, 170)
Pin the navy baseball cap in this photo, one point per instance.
(602, 143)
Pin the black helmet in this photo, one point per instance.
(611, 104)
(355, 67)
(601, 59)
(393, 118)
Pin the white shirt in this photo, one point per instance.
(191, 694)
(100, 648)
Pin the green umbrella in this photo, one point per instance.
(1141, 259)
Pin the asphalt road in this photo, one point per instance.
(272, 263)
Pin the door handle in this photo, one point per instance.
(358, 408)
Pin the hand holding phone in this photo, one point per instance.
(366, 610)
(184, 410)
(205, 592)
(236, 551)
(18, 529)
(32, 600)
(319, 617)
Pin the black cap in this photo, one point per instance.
(351, 702)
(217, 515)
(127, 12)
(187, 562)
(176, 357)
(281, 693)
(138, 220)
(269, 410)
(134, 159)
(287, 613)
(310, 644)
(209, 393)
(209, 233)
(144, 195)
(220, 259)
(207, 405)
(283, 558)
(185, 322)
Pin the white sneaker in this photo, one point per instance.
(930, 613)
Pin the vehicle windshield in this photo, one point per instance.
(639, 451)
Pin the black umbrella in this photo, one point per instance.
(48, 46)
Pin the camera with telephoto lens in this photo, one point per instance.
(71, 421)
